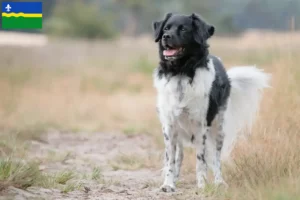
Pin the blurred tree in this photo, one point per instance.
(269, 14)
(105, 18)
(79, 18)
(134, 9)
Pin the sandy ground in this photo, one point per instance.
(22, 39)
(84, 152)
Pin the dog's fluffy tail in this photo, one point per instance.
(246, 87)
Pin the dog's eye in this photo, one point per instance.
(183, 29)
(166, 28)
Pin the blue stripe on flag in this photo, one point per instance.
(25, 7)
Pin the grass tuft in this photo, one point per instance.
(96, 174)
(18, 174)
(64, 176)
(71, 186)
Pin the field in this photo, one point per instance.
(78, 121)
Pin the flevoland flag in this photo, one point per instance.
(22, 15)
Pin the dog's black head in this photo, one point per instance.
(181, 36)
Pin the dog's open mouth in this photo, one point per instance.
(172, 52)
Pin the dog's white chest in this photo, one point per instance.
(183, 102)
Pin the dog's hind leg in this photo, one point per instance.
(179, 158)
(216, 168)
(170, 138)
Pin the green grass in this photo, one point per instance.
(69, 187)
(130, 131)
(18, 174)
(64, 176)
(21, 174)
(96, 174)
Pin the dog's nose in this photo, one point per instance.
(166, 36)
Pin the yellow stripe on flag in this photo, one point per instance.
(21, 15)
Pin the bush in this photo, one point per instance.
(79, 19)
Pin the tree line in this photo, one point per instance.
(110, 18)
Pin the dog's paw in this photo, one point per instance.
(167, 188)
(176, 178)
(201, 183)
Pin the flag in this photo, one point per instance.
(22, 15)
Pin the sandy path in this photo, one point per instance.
(82, 153)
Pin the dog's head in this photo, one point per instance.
(180, 35)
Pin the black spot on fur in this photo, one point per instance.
(167, 156)
(166, 136)
(219, 92)
(198, 157)
(219, 144)
(185, 110)
(204, 139)
(193, 138)
(203, 158)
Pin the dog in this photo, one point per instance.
(199, 103)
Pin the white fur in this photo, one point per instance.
(195, 99)
(246, 89)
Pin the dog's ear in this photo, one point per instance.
(158, 27)
(202, 30)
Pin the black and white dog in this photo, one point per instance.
(199, 102)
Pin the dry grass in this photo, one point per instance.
(109, 87)
(134, 162)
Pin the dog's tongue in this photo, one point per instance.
(170, 52)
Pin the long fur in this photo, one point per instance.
(243, 104)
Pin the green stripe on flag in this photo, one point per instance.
(22, 22)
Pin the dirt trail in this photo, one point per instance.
(82, 152)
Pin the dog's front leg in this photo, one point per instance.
(201, 165)
(179, 158)
(170, 138)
